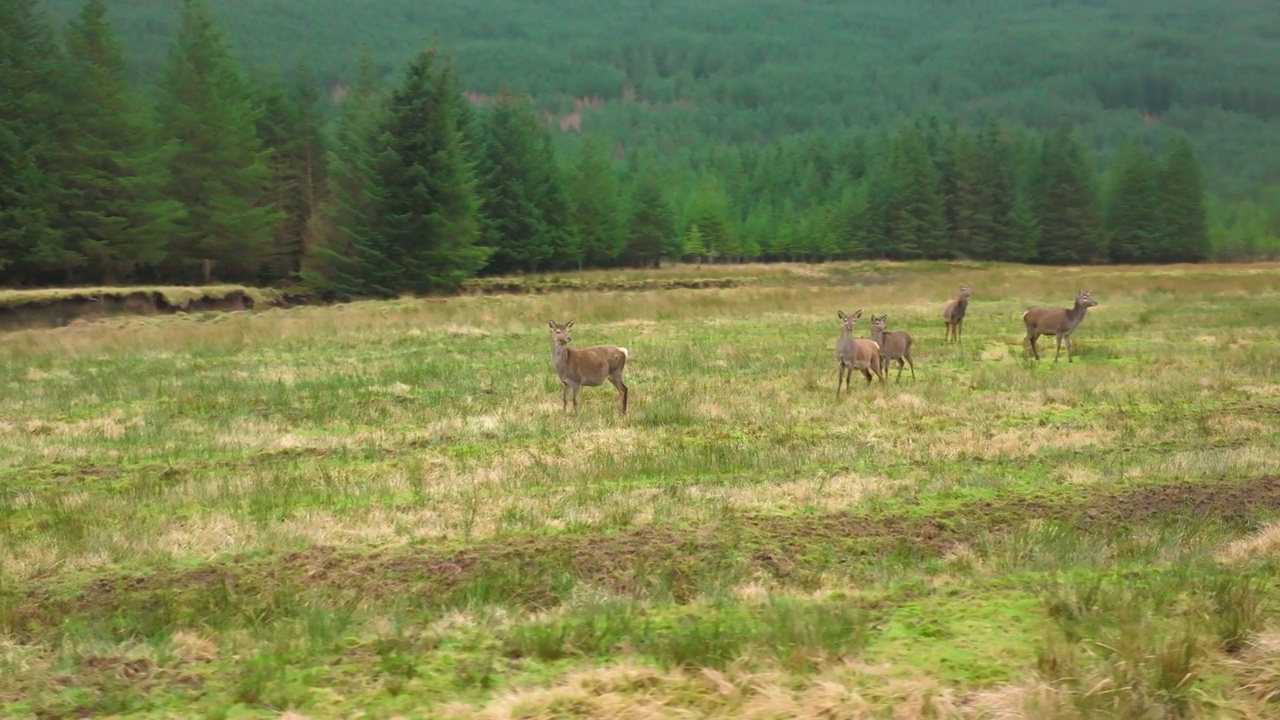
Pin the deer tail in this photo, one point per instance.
(625, 353)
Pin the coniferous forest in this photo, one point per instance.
(376, 148)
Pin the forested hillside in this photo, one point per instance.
(332, 150)
(695, 72)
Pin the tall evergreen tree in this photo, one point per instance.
(1184, 226)
(424, 192)
(1070, 229)
(969, 209)
(290, 127)
(32, 248)
(1133, 206)
(511, 183)
(918, 221)
(116, 215)
(216, 166)
(351, 255)
(598, 219)
(651, 227)
(1007, 222)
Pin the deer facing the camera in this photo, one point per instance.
(1058, 322)
(589, 366)
(894, 345)
(855, 353)
(953, 312)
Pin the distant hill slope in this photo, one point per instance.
(682, 73)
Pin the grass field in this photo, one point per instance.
(379, 510)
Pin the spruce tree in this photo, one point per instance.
(694, 246)
(1069, 227)
(511, 182)
(216, 167)
(1133, 208)
(598, 220)
(116, 215)
(424, 189)
(1006, 221)
(290, 128)
(32, 123)
(1184, 226)
(970, 221)
(651, 227)
(350, 256)
(917, 222)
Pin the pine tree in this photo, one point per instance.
(1133, 206)
(351, 256)
(1070, 230)
(423, 190)
(597, 217)
(216, 166)
(710, 212)
(694, 246)
(510, 182)
(117, 217)
(970, 222)
(290, 127)
(917, 222)
(1184, 226)
(553, 200)
(32, 121)
(1007, 223)
(651, 227)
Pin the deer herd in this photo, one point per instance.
(591, 366)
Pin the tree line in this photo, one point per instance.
(409, 186)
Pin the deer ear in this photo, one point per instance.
(568, 325)
(857, 315)
(551, 324)
(840, 314)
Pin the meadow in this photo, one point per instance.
(379, 509)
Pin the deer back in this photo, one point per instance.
(591, 365)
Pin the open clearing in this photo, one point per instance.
(378, 509)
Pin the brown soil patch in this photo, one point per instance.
(678, 561)
(497, 286)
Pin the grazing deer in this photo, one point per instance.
(1058, 322)
(855, 353)
(894, 345)
(953, 312)
(589, 366)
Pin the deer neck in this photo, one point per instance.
(877, 336)
(559, 353)
(962, 302)
(1076, 313)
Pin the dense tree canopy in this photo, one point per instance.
(742, 132)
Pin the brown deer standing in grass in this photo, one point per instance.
(953, 312)
(1058, 322)
(589, 366)
(894, 345)
(855, 353)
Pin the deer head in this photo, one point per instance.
(1085, 299)
(878, 323)
(849, 320)
(560, 333)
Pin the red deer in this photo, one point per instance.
(1058, 322)
(855, 353)
(953, 312)
(589, 366)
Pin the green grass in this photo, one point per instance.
(380, 506)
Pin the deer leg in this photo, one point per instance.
(564, 397)
(1058, 344)
(1068, 339)
(1032, 340)
(902, 364)
(576, 389)
(913, 367)
(959, 327)
(622, 392)
(867, 373)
